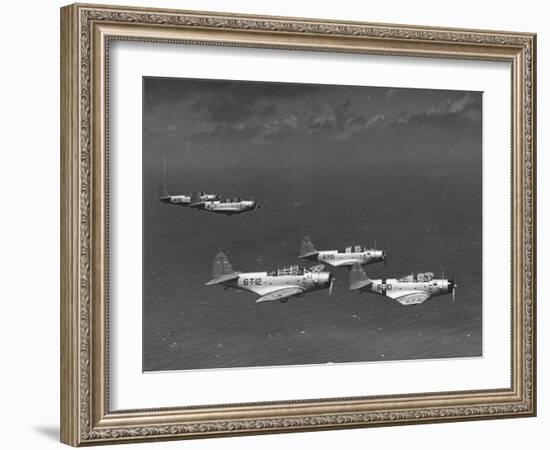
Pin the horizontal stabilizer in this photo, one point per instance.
(165, 199)
(357, 277)
(307, 250)
(360, 285)
(308, 255)
(163, 193)
(222, 279)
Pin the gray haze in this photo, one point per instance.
(342, 164)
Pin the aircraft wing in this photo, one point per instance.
(342, 262)
(409, 297)
(281, 294)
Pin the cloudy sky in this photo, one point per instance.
(254, 118)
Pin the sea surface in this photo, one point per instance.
(427, 216)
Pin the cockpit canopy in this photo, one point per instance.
(412, 277)
(355, 249)
(291, 270)
(426, 276)
(232, 200)
(236, 199)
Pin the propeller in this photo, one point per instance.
(332, 279)
(385, 255)
(452, 286)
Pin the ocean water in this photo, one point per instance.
(428, 216)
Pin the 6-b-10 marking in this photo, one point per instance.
(345, 258)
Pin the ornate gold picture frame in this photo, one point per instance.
(87, 31)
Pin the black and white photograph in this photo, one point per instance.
(294, 224)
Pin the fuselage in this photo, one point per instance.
(228, 207)
(263, 283)
(363, 257)
(395, 286)
(185, 199)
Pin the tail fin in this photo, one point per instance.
(221, 266)
(307, 249)
(357, 278)
(222, 270)
(196, 200)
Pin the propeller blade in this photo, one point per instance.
(330, 287)
(454, 293)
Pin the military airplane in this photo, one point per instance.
(279, 285)
(181, 199)
(347, 258)
(228, 206)
(412, 289)
(184, 199)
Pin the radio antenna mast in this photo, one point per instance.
(163, 189)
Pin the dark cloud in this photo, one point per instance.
(267, 112)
